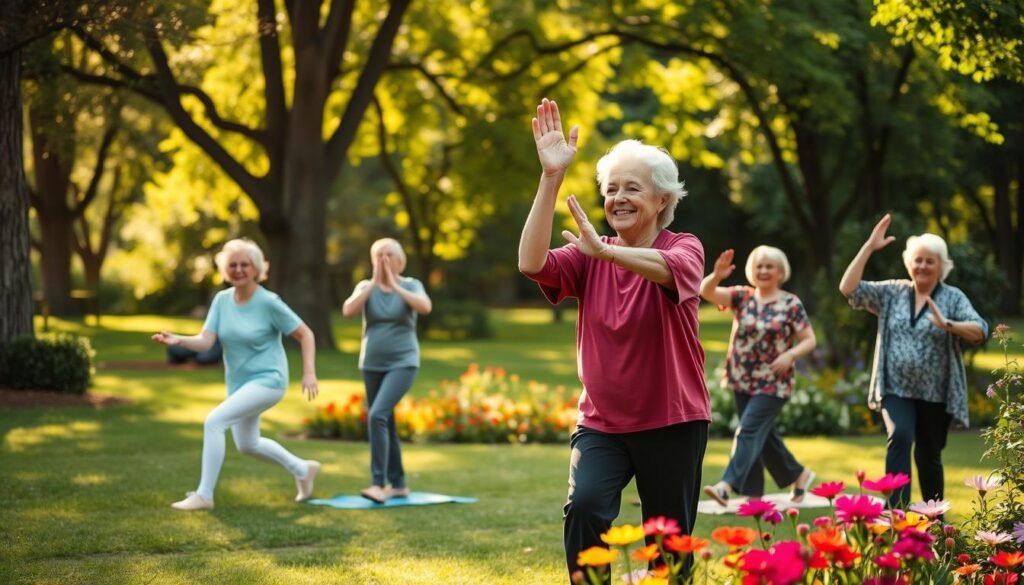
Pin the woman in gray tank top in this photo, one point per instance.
(389, 358)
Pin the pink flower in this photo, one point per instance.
(887, 484)
(885, 580)
(828, 489)
(932, 508)
(782, 564)
(983, 484)
(823, 522)
(852, 509)
(773, 517)
(914, 544)
(887, 561)
(756, 508)
(660, 525)
(993, 538)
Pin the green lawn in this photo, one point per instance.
(84, 493)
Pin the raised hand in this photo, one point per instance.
(936, 316)
(554, 152)
(588, 242)
(878, 240)
(723, 265)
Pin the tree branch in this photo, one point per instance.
(434, 80)
(392, 171)
(99, 169)
(273, 81)
(335, 34)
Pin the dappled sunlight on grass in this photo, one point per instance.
(447, 353)
(19, 439)
(90, 479)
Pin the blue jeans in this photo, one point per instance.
(758, 445)
(383, 391)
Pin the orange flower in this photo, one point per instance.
(596, 556)
(684, 543)
(1006, 559)
(647, 553)
(734, 536)
(828, 540)
(966, 570)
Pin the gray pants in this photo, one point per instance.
(383, 391)
(758, 445)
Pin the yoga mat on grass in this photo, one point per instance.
(347, 502)
(781, 501)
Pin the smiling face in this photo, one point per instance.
(631, 204)
(924, 267)
(240, 270)
(767, 273)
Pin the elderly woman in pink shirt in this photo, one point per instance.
(644, 410)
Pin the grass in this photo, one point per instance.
(84, 493)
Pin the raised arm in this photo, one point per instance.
(307, 342)
(709, 289)
(555, 155)
(197, 343)
(876, 241)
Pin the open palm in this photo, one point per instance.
(553, 150)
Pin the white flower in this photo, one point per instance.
(932, 508)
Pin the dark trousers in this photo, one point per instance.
(383, 391)
(666, 463)
(757, 445)
(925, 427)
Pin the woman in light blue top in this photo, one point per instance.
(389, 358)
(248, 320)
(917, 379)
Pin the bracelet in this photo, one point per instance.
(611, 253)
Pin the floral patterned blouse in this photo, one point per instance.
(760, 333)
(914, 358)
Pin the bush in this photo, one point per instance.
(60, 362)
(458, 319)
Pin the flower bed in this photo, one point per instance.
(485, 405)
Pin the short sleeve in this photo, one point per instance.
(414, 286)
(737, 296)
(798, 316)
(283, 317)
(870, 296)
(685, 260)
(212, 322)
(562, 274)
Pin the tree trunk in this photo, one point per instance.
(15, 279)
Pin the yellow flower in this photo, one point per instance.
(623, 535)
(653, 581)
(913, 520)
(596, 556)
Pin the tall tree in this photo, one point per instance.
(330, 57)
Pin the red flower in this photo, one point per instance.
(887, 484)
(684, 543)
(845, 557)
(1007, 560)
(852, 509)
(828, 490)
(887, 561)
(660, 525)
(757, 508)
(998, 578)
(827, 541)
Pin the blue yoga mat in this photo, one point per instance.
(413, 499)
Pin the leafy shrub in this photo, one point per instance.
(458, 319)
(61, 362)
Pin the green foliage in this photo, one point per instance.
(458, 319)
(60, 362)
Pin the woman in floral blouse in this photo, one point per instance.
(770, 331)
(917, 379)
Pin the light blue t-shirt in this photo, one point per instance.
(389, 329)
(251, 337)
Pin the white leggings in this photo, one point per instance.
(241, 412)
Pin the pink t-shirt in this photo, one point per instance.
(638, 354)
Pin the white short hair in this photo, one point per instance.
(664, 173)
(769, 253)
(934, 244)
(248, 246)
(395, 247)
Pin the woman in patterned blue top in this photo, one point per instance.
(917, 379)
(770, 332)
(248, 320)
(389, 358)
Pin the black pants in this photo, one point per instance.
(666, 463)
(758, 445)
(925, 427)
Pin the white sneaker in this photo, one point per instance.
(193, 502)
(305, 484)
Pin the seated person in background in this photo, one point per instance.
(177, 355)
